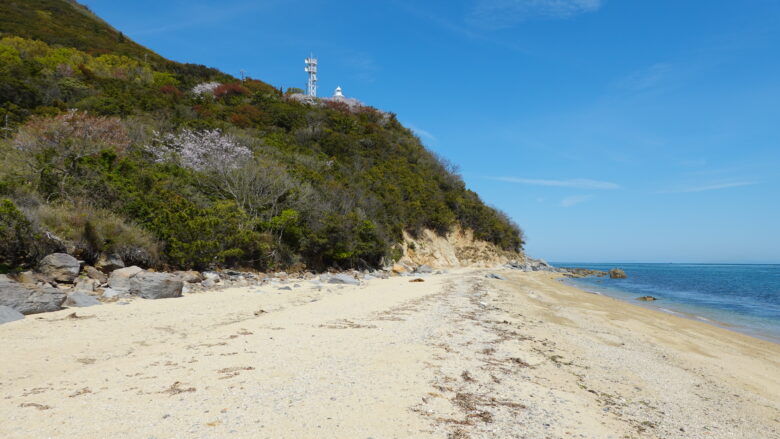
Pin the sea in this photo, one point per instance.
(740, 297)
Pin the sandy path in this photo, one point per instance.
(455, 356)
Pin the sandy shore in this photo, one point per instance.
(457, 356)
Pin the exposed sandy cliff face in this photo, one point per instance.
(458, 248)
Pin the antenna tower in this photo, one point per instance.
(311, 69)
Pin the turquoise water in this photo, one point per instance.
(744, 298)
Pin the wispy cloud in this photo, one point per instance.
(579, 183)
(646, 78)
(711, 187)
(201, 14)
(575, 199)
(421, 132)
(498, 14)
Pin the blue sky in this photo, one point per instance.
(610, 130)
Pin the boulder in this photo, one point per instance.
(86, 285)
(8, 314)
(617, 273)
(495, 276)
(109, 263)
(120, 279)
(60, 267)
(28, 299)
(208, 283)
(110, 294)
(423, 269)
(344, 279)
(646, 298)
(146, 284)
(94, 273)
(80, 300)
(398, 269)
(27, 277)
(189, 276)
(155, 285)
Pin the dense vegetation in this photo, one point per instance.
(108, 148)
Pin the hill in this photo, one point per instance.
(110, 149)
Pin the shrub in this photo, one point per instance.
(232, 89)
(16, 234)
(91, 231)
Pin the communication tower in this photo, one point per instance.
(311, 69)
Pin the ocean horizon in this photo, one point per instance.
(741, 297)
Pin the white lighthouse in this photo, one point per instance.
(338, 93)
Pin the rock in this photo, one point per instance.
(60, 267)
(155, 285)
(146, 284)
(120, 278)
(419, 279)
(398, 269)
(27, 277)
(110, 293)
(8, 314)
(94, 273)
(208, 283)
(288, 288)
(28, 299)
(423, 269)
(646, 298)
(109, 263)
(495, 276)
(342, 278)
(190, 276)
(211, 275)
(80, 300)
(86, 285)
(617, 273)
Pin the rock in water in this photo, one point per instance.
(28, 299)
(617, 273)
(646, 298)
(8, 314)
(80, 300)
(342, 278)
(60, 267)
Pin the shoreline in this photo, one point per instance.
(457, 355)
(745, 330)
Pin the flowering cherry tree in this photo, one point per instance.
(205, 88)
(208, 150)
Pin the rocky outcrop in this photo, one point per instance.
(29, 299)
(646, 298)
(617, 273)
(8, 314)
(60, 267)
(94, 273)
(457, 248)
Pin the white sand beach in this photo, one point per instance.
(455, 356)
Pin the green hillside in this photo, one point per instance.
(108, 148)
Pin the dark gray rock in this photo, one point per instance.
(80, 300)
(8, 314)
(109, 263)
(343, 279)
(495, 276)
(617, 273)
(29, 299)
(60, 267)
